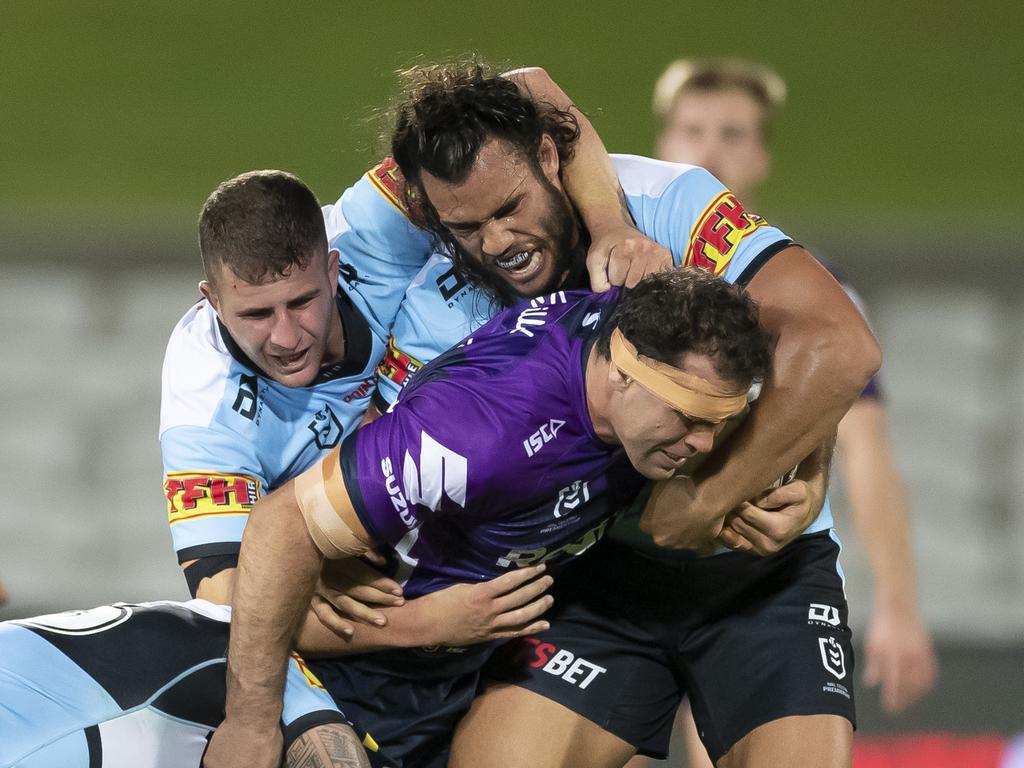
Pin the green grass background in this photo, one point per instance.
(124, 115)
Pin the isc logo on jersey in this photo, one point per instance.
(718, 233)
(544, 435)
(191, 495)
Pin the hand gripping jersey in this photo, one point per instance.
(230, 434)
(682, 207)
(125, 685)
(489, 460)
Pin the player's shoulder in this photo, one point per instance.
(379, 193)
(197, 365)
(647, 177)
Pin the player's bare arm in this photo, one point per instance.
(281, 556)
(327, 746)
(824, 356)
(763, 525)
(619, 254)
(777, 516)
(508, 606)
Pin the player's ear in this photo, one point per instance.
(333, 265)
(209, 293)
(548, 159)
(618, 380)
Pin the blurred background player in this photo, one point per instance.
(718, 114)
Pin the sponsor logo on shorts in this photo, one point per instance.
(202, 494)
(572, 497)
(832, 657)
(325, 427)
(819, 613)
(397, 365)
(523, 557)
(718, 232)
(312, 680)
(544, 435)
(563, 664)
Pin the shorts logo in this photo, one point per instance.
(397, 365)
(191, 495)
(821, 613)
(718, 233)
(564, 664)
(832, 657)
(326, 428)
(572, 497)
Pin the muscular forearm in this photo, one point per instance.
(878, 505)
(824, 356)
(277, 569)
(589, 176)
(407, 627)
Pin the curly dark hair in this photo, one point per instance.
(446, 113)
(260, 224)
(671, 313)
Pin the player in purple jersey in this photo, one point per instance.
(486, 168)
(514, 448)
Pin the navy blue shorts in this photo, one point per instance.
(748, 639)
(407, 701)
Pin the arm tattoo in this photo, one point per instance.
(327, 746)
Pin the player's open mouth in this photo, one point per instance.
(291, 362)
(521, 266)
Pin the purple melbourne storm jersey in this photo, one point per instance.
(489, 461)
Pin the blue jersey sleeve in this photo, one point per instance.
(380, 249)
(690, 212)
(212, 479)
(306, 702)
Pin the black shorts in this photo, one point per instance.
(748, 639)
(407, 701)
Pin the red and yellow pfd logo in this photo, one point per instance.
(397, 365)
(718, 233)
(191, 495)
(312, 680)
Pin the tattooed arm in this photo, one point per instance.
(327, 746)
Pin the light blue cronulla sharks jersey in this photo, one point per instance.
(230, 434)
(682, 207)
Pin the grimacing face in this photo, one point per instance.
(288, 325)
(515, 223)
(657, 438)
(722, 132)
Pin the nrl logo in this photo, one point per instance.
(326, 428)
(832, 657)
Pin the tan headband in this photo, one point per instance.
(692, 395)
